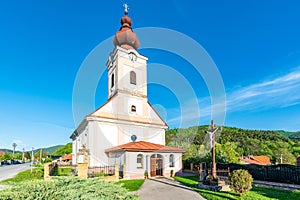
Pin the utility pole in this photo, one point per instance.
(41, 155)
(23, 155)
(32, 159)
(281, 158)
(211, 133)
(14, 148)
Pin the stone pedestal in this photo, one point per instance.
(46, 172)
(215, 188)
(83, 170)
(117, 171)
(124, 171)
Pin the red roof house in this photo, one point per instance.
(66, 157)
(258, 160)
(2, 152)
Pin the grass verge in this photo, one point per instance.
(131, 185)
(257, 193)
(37, 173)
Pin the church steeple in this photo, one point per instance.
(125, 37)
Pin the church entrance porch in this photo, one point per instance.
(156, 165)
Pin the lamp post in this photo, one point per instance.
(211, 133)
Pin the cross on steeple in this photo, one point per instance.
(126, 8)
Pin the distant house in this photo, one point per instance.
(66, 158)
(298, 160)
(2, 152)
(258, 160)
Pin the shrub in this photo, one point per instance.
(67, 188)
(240, 181)
(146, 174)
(48, 160)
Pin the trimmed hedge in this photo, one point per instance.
(67, 188)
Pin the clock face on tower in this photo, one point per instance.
(132, 57)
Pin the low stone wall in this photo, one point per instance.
(48, 170)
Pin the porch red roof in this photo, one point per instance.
(144, 147)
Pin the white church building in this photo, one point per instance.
(126, 129)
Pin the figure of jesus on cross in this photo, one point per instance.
(211, 133)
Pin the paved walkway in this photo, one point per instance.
(166, 189)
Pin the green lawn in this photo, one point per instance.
(37, 173)
(256, 193)
(132, 185)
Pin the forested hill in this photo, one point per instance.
(290, 135)
(232, 143)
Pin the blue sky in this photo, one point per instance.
(254, 44)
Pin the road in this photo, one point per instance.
(9, 171)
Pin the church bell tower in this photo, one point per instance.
(127, 70)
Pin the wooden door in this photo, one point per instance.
(153, 167)
(159, 167)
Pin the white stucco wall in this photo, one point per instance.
(133, 172)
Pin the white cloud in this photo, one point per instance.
(281, 91)
(278, 92)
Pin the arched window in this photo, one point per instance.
(112, 80)
(132, 78)
(133, 108)
(171, 160)
(139, 161)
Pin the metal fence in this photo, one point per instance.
(102, 170)
(277, 173)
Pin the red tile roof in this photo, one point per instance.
(66, 157)
(144, 147)
(259, 160)
(2, 152)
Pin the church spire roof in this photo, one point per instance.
(125, 37)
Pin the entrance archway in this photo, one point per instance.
(156, 165)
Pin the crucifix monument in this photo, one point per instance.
(211, 133)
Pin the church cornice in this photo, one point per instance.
(133, 93)
(79, 129)
(126, 122)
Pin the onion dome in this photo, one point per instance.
(125, 37)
